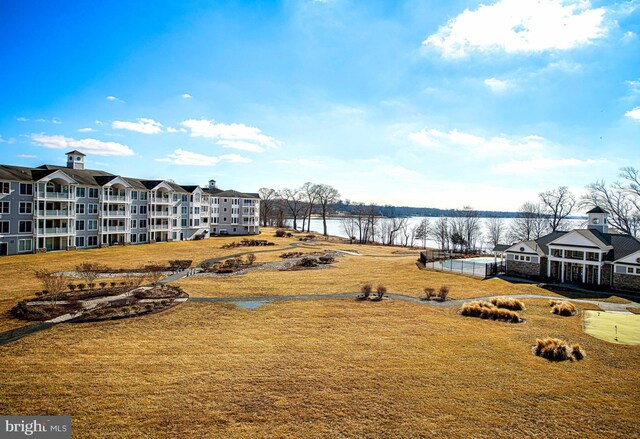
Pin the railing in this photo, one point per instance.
(159, 213)
(114, 229)
(158, 227)
(56, 195)
(54, 231)
(115, 198)
(160, 200)
(118, 213)
(56, 213)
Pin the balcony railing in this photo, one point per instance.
(106, 229)
(57, 213)
(160, 200)
(159, 213)
(158, 227)
(54, 231)
(115, 198)
(115, 213)
(56, 195)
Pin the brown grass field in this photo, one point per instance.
(331, 368)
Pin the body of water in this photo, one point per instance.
(334, 227)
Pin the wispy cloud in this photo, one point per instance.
(433, 138)
(22, 119)
(633, 114)
(540, 164)
(114, 99)
(27, 156)
(234, 135)
(190, 158)
(93, 146)
(497, 85)
(142, 125)
(186, 96)
(9, 141)
(86, 130)
(520, 26)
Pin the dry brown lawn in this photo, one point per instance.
(335, 368)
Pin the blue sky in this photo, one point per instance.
(422, 103)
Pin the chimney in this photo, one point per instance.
(212, 184)
(75, 159)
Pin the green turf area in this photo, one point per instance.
(600, 324)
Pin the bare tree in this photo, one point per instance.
(309, 192)
(326, 196)
(495, 231)
(559, 204)
(421, 231)
(268, 200)
(530, 223)
(53, 284)
(90, 271)
(621, 199)
(440, 232)
(349, 227)
(293, 200)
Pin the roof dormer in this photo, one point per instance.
(75, 159)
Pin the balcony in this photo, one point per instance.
(114, 229)
(56, 213)
(154, 227)
(54, 231)
(160, 200)
(159, 213)
(115, 213)
(115, 199)
(70, 196)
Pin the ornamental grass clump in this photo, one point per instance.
(508, 303)
(554, 349)
(561, 308)
(487, 310)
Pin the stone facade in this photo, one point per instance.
(627, 282)
(523, 269)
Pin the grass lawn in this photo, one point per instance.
(602, 325)
(323, 368)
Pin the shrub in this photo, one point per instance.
(308, 262)
(251, 258)
(164, 302)
(508, 303)
(149, 306)
(487, 310)
(281, 233)
(103, 285)
(365, 291)
(326, 259)
(290, 255)
(429, 293)
(381, 290)
(443, 292)
(554, 349)
(81, 286)
(71, 287)
(126, 309)
(114, 284)
(566, 309)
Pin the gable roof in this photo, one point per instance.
(597, 209)
(541, 245)
(501, 247)
(76, 152)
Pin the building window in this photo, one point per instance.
(25, 227)
(134, 196)
(25, 245)
(196, 211)
(143, 224)
(79, 241)
(26, 189)
(80, 209)
(92, 208)
(143, 196)
(235, 229)
(5, 207)
(143, 210)
(5, 187)
(92, 241)
(26, 208)
(4, 226)
(630, 270)
(134, 209)
(184, 222)
(134, 237)
(134, 224)
(92, 224)
(93, 193)
(184, 210)
(79, 224)
(143, 237)
(80, 193)
(175, 222)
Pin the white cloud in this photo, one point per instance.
(633, 114)
(300, 163)
(99, 122)
(183, 157)
(26, 156)
(114, 99)
(171, 130)
(144, 126)
(497, 85)
(628, 36)
(520, 26)
(22, 119)
(453, 139)
(86, 130)
(91, 146)
(234, 135)
(9, 140)
(539, 164)
(186, 96)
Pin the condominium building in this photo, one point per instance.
(52, 208)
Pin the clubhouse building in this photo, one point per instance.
(52, 208)
(591, 256)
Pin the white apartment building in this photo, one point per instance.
(52, 208)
